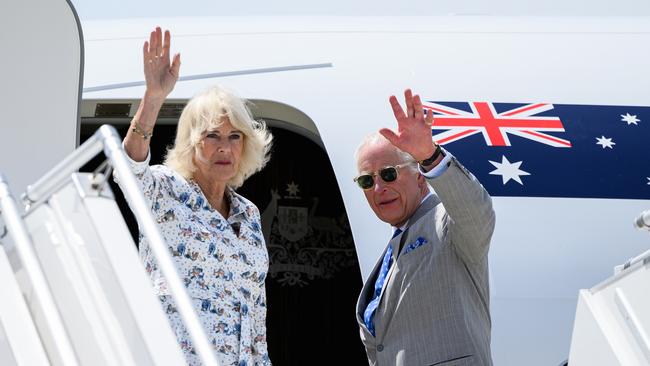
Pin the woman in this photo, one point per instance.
(213, 233)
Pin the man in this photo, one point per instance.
(426, 302)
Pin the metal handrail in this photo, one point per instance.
(60, 174)
(643, 220)
(643, 257)
(24, 248)
(108, 139)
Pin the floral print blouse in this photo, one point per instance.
(222, 261)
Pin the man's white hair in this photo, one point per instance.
(377, 138)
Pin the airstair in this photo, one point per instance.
(73, 289)
(612, 323)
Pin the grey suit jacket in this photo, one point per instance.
(434, 308)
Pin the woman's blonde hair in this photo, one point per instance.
(205, 112)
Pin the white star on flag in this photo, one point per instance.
(508, 170)
(292, 188)
(630, 119)
(605, 142)
(648, 181)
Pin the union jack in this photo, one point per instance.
(495, 127)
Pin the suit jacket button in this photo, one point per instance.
(380, 347)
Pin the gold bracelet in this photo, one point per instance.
(140, 131)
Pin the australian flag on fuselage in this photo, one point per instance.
(549, 150)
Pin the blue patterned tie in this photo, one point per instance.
(369, 314)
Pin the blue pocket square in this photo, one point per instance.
(420, 241)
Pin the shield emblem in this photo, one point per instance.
(292, 222)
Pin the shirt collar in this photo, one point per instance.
(237, 205)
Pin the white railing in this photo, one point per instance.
(24, 248)
(108, 140)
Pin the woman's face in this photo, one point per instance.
(218, 154)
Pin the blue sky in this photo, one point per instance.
(97, 9)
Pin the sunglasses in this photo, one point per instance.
(387, 174)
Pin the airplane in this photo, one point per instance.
(552, 114)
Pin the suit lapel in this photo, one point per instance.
(368, 290)
(422, 210)
(379, 320)
(426, 206)
(394, 243)
(369, 285)
(397, 241)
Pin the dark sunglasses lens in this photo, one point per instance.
(365, 181)
(388, 174)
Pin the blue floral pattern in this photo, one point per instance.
(222, 261)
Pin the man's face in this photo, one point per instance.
(396, 201)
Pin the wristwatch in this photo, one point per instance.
(436, 153)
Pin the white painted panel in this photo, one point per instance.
(41, 47)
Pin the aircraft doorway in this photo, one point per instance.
(314, 277)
